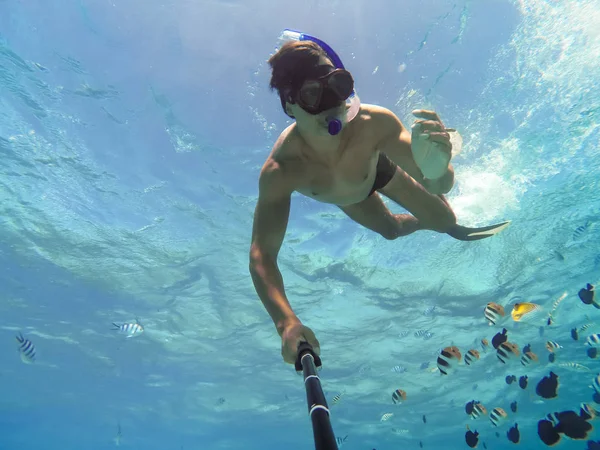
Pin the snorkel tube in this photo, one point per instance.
(334, 123)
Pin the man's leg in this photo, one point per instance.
(372, 213)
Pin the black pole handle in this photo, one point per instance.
(303, 349)
(317, 404)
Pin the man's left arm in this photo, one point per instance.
(396, 144)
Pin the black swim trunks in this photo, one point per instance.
(386, 169)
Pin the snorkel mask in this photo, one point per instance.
(326, 90)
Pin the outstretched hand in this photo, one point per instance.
(430, 124)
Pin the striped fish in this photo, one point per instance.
(340, 440)
(574, 366)
(471, 356)
(528, 357)
(398, 396)
(399, 369)
(400, 431)
(596, 384)
(336, 398)
(589, 410)
(507, 351)
(403, 334)
(553, 346)
(493, 312)
(448, 358)
(386, 417)
(420, 333)
(26, 349)
(129, 329)
(478, 411)
(593, 340)
(580, 231)
(575, 332)
(497, 416)
(558, 301)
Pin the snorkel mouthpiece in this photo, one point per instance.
(334, 126)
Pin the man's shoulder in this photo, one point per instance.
(382, 120)
(277, 171)
(377, 113)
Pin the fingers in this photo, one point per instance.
(428, 125)
(427, 115)
(441, 138)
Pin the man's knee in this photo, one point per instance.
(391, 233)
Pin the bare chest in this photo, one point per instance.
(349, 180)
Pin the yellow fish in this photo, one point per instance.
(521, 310)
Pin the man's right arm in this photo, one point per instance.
(270, 223)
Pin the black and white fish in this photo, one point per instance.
(337, 398)
(340, 441)
(498, 416)
(399, 369)
(26, 349)
(129, 329)
(593, 340)
(429, 311)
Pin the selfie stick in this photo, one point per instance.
(307, 363)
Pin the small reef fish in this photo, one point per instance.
(548, 386)
(340, 440)
(471, 438)
(119, 436)
(498, 416)
(485, 345)
(514, 406)
(429, 310)
(587, 411)
(493, 312)
(568, 423)
(528, 357)
(526, 311)
(386, 417)
(398, 396)
(513, 434)
(337, 398)
(448, 359)
(399, 369)
(507, 351)
(596, 384)
(26, 349)
(576, 331)
(129, 329)
(499, 338)
(574, 366)
(553, 347)
(557, 302)
(593, 340)
(475, 409)
(510, 379)
(400, 431)
(471, 356)
(588, 295)
(523, 382)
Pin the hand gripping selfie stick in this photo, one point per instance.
(307, 364)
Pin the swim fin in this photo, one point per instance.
(474, 234)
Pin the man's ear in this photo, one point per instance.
(288, 110)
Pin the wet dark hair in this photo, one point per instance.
(291, 65)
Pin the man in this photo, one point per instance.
(348, 165)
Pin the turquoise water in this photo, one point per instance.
(131, 136)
